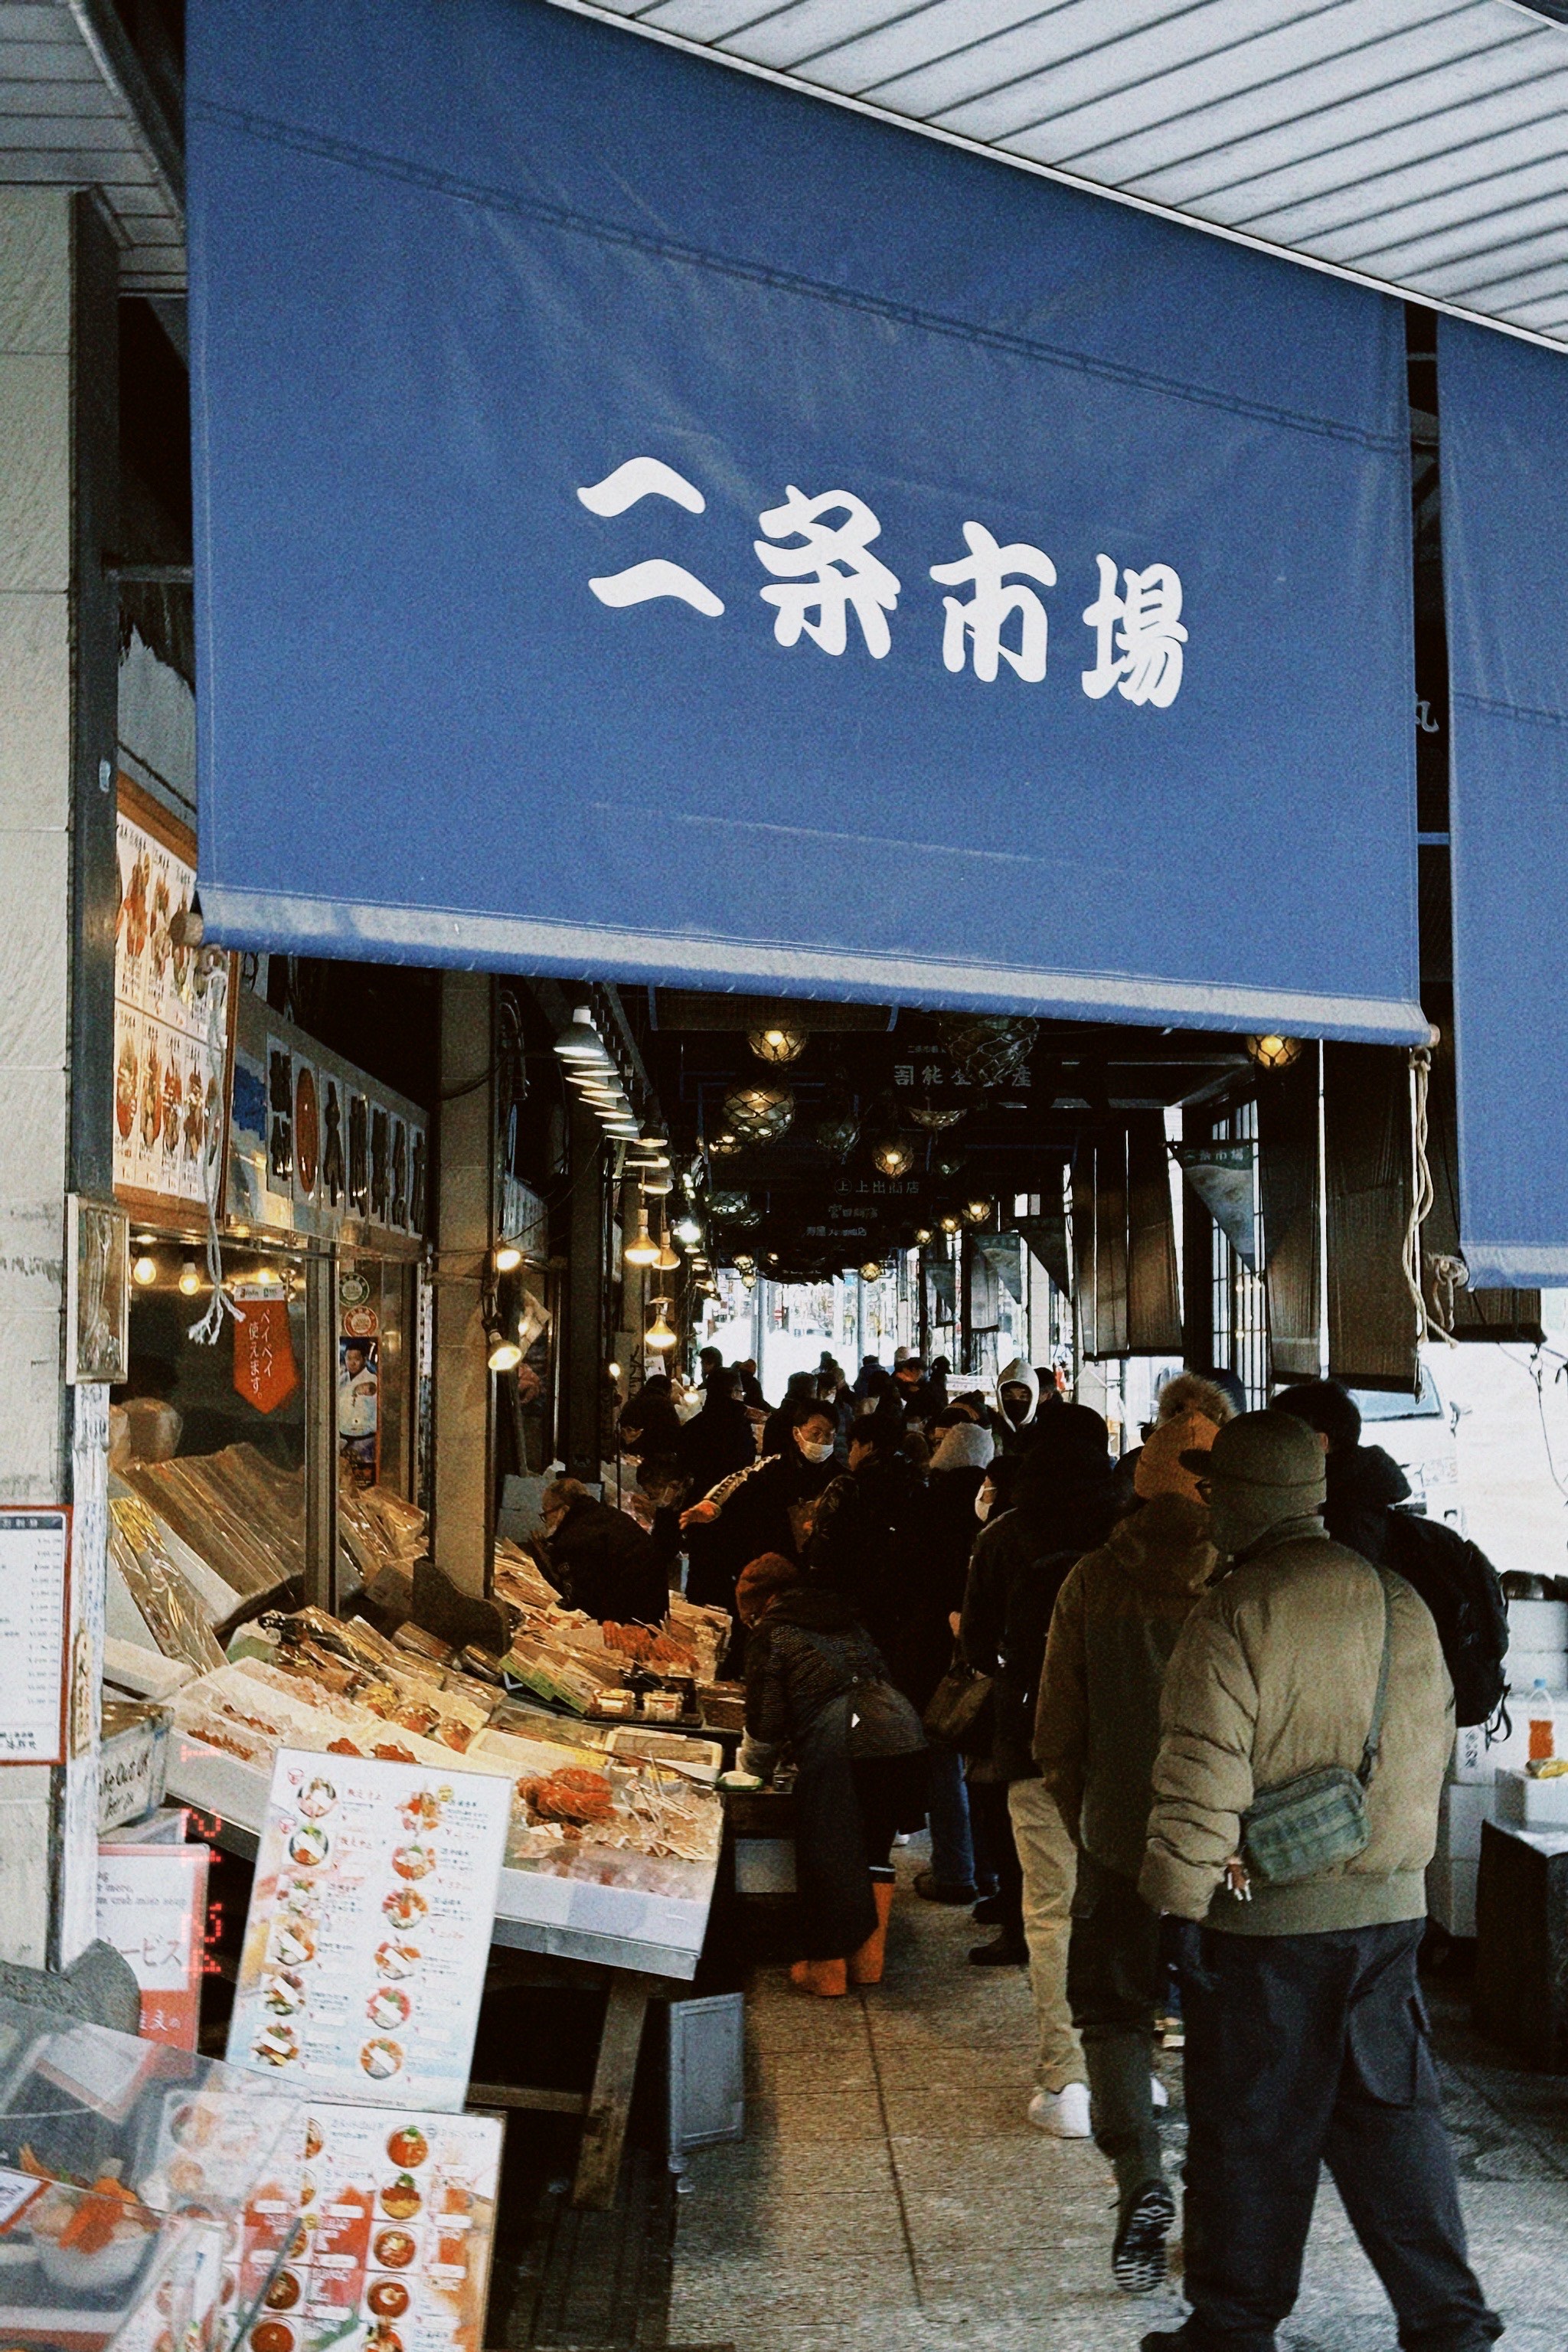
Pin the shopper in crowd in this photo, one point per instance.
(1096, 1733)
(719, 1439)
(1362, 1483)
(768, 1508)
(708, 1362)
(1305, 2030)
(799, 1388)
(915, 1390)
(650, 1426)
(817, 1684)
(1018, 1396)
(1062, 1509)
(868, 1378)
(863, 1529)
(1182, 1393)
(599, 1559)
(936, 1381)
(749, 1386)
(941, 1540)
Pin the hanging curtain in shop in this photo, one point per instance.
(1467, 1313)
(1287, 1182)
(1369, 1159)
(1504, 427)
(1154, 1298)
(1004, 1252)
(1085, 1301)
(1099, 1246)
(638, 505)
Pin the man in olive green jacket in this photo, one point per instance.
(1306, 2038)
(1097, 1731)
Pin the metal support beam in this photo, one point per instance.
(465, 1178)
(585, 1298)
(321, 1429)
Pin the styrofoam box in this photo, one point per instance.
(1532, 1804)
(1473, 1760)
(1463, 1808)
(1451, 1895)
(1539, 1624)
(1522, 1667)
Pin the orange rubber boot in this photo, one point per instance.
(866, 1964)
(827, 1977)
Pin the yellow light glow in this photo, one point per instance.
(144, 1270)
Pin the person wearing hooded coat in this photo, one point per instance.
(941, 1537)
(1018, 1396)
(1063, 1507)
(1096, 1733)
(650, 1426)
(816, 1682)
(861, 1533)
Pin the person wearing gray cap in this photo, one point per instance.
(1306, 1721)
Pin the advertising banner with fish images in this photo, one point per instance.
(392, 2250)
(171, 1017)
(317, 1147)
(369, 1922)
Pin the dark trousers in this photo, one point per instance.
(1303, 2050)
(996, 1855)
(1115, 1978)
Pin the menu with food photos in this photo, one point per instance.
(391, 2249)
(369, 1928)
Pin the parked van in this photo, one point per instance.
(1419, 1432)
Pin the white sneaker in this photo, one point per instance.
(1158, 2094)
(1064, 2113)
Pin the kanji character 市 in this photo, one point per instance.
(986, 569)
(1139, 636)
(834, 569)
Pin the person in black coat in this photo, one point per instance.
(943, 1539)
(800, 1389)
(766, 1508)
(650, 1426)
(864, 1529)
(599, 1559)
(719, 1439)
(816, 1682)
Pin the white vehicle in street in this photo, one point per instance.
(1419, 1432)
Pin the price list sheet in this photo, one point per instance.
(34, 1569)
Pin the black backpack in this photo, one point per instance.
(1460, 1587)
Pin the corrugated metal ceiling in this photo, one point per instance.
(1419, 144)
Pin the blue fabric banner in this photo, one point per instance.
(1504, 425)
(654, 523)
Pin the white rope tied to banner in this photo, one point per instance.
(206, 1330)
(1428, 1320)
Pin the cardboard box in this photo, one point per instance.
(1451, 1895)
(1526, 1804)
(1464, 1806)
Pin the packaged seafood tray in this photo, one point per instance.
(126, 2168)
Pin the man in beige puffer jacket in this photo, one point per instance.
(1306, 2038)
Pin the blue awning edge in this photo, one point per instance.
(1504, 428)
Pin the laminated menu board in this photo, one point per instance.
(152, 1906)
(172, 1020)
(391, 2253)
(35, 1572)
(369, 1928)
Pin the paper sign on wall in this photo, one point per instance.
(152, 1906)
(34, 1569)
(369, 1928)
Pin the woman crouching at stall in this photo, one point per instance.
(817, 1682)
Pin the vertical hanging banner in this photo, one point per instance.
(1504, 425)
(599, 450)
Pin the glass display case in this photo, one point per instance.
(147, 2195)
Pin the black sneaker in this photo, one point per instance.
(931, 1889)
(1166, 2339)
(989, 1912)
(1138, 2257)
(1006, 1952)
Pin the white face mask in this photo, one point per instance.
(984, 1498)
(817, 1453)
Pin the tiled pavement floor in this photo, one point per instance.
(890, 2196)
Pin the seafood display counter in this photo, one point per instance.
(134, 2178)
(616, 1831)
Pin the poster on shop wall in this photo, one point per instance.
(152, 1906)
(976, 591)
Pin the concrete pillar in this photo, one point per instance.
(58, 473)
(463, 1528)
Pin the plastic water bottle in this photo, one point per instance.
(1543, 1723)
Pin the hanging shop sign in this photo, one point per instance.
(1225, 1178)
(35, 1617)
(1505, 523)
(173, 1012)
(316, 1147)
(903, 543)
